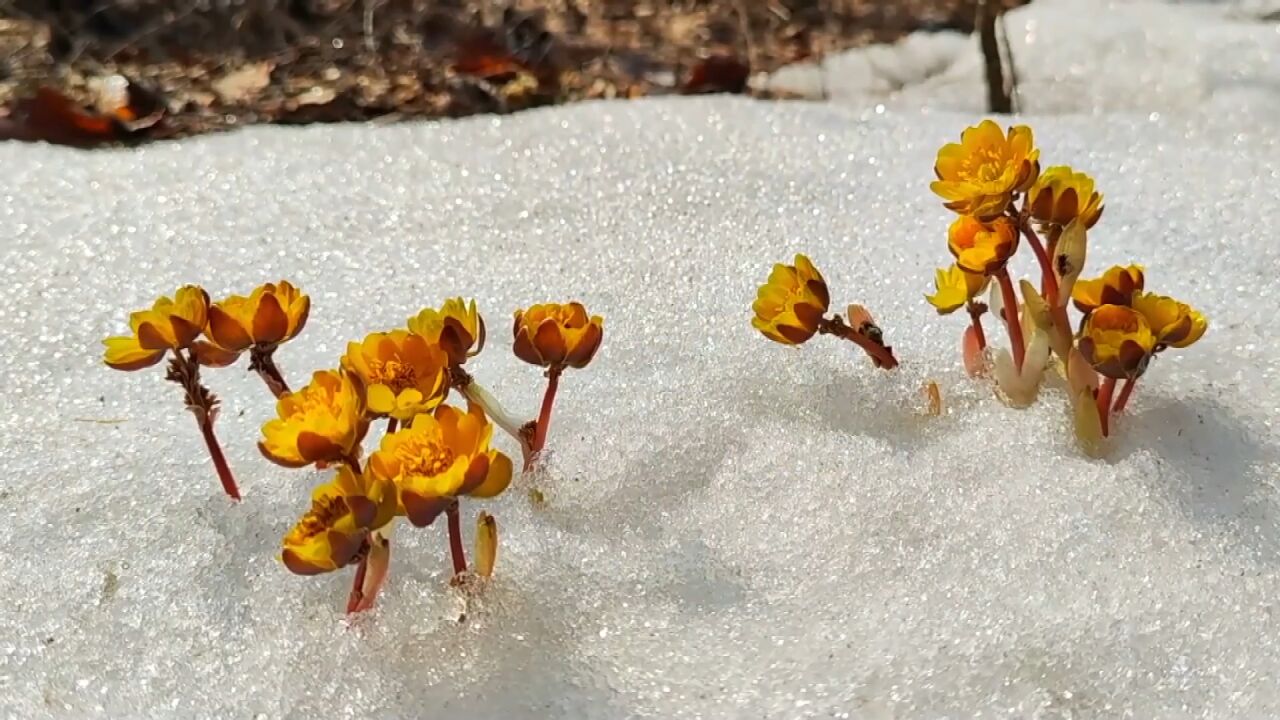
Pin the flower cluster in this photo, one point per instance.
(432, 454)
(199, 333)
(791, 307)
(992, 180)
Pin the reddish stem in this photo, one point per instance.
(544, 417)
(391, 425)
(1012, 320)
(262, 362)
(455, 540)
(219, 460)
(1105, 393)
(1048, 281)
(1125, 393)
(975, 316)
(357, 584)
(881, 355)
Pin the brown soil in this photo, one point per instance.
(288, 61)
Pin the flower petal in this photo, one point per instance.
(270, 324)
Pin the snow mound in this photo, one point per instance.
(732, 528)
(1074, 56)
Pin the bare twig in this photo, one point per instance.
(998, 97)
(1013, 69)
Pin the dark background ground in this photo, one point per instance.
(211, 64)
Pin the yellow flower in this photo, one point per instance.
(556, 336)
(955, 288)
(1061, 195)
(439, 458)
(332, 532)
(790, 305)
(1174, 323)
(979, 175)
(982, 248)
(272, 314)
(168, 325)
(1117, 341)
(403, 373)
(1115, 287)
(323, 422)
(455, 328)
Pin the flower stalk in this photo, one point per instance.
(1105, 393)
(371, 573)
(1012, 321)
(976, 311)
(548, 400)
(880, 354)
(456, 551)
(1125, 393)
(219, 460)
(356, 597)
(185, 371)
(262, 361)
(1048, 280)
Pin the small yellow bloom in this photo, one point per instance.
(456, 327)
(170, 324)
(1061, 195)
(955, 288)
(1116, 287)
(1117, 341)
(403, 373)
(272, 314)
(323, 422)
(438, 458)
(979, 175)
(791, 304)
(556, 336)
(332, 532)
(1174, 323)
(980, 247)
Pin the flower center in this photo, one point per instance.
(315, 402)
(324, 513)
(987, 164)
(423, 457)
(393, 372)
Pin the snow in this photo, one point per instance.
(732, 528)
(1074, 56)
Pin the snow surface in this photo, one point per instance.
(1073, 56)
(732, 528)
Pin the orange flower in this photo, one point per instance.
(270, 315)
(1174, 323)
(982, 248)
(456, 327)
(403, 373)
(556, 336)
(333, 531)
(439, 458)
(168, 325)
(1061, 195)
(323, 422)
(1117, 341)
(1116, 287)
(979, 175)
(792, 302)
